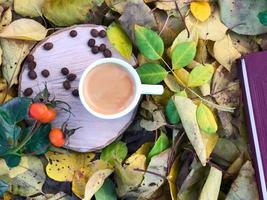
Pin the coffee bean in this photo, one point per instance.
(94, 33)
(32, 74)
(75, 92)
(30, 58)
(32, 65)
(71, 77)
(65, 71)
(45, 73)
(66, 85)
(95, 49)
(73, 33)
(102, 33)
(102, 47)
(48, 45)
(91, 42)
(28, 92)
(107, 53)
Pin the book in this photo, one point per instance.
(253, 69)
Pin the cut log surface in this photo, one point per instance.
(74, 53)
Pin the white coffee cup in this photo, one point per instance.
(139, 88)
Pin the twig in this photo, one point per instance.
(182, 17)
(154, 173)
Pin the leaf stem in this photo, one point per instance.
(150, 172)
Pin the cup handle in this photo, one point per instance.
(152, 89)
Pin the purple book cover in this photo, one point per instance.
(254, 82)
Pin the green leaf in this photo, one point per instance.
(171, 112)
(206, 119)
(263, 17)
(39, 142)
(200, 75)
(183, 54)
(12, 160)
(151, 73)
(3, 188)
(116, 151)
(149, 42)
(68, 12)
(107, 191)
(161, 144)
(17, 108)
(120, 40)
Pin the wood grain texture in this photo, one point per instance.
(74, 54)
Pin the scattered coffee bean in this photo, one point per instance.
(32, 74)
(65, 71)
(66, 85)
(32, 65)
(28, 92)
(94, 33)
(102, 33)
(75, 92)
(30, 58)
(48, 45)
(91, 42)
(95, 49)
(73, 33)
(45, 73)
(102, 47)
(107, 53)
(71, 77)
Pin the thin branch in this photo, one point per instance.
(182, 17)
(149, 172)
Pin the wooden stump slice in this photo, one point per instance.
(74, 53)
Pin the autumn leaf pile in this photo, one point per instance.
(190, 143)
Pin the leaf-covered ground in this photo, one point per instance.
(189, 143)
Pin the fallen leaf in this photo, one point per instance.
(225, 53)
(116, 5)
(119, 40)
(166, 5)
(6, 19)
(212, 29)
(151, 73)
(245, 186)
(107, 191)
(235, 167)
(14, 52)
(130, 18)
(182, 74)
(171, 112)
(149, 42)
(241, 16)
(157, 121)
(29, 8)
(183, 54)
(212, 185)
(160, 145)
(172, 178)
(117, 151)
(67, 164)
(200, 75)
(200, 10)
(95, 182)
(24, 29)
(202, 52)
(15, 171)
(172, 83)
(206, 119)
(187, 111)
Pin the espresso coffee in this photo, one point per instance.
(108, 89)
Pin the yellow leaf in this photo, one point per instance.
(187, 112)
(6, 19)
(172, 178)
(211, 29)
(206, 119)
(66, 164)
(212, 185)
(200, 10)
(225, 53)
(24, 29)
(210, 142)
(145, 148)
(119, 39)
(172, 83)
(182, 74)
(15, 171)
(31, 8)
(200, 75)
(7, 196)
(95, 182)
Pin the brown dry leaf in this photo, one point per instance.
(116, 5)
(202, 52)
(24, 29)
(157, 121)
(171, 5)
(6, 19)
(235, 167)
(225, 52)
(212, 29)
(172, 83)
(14, 52)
